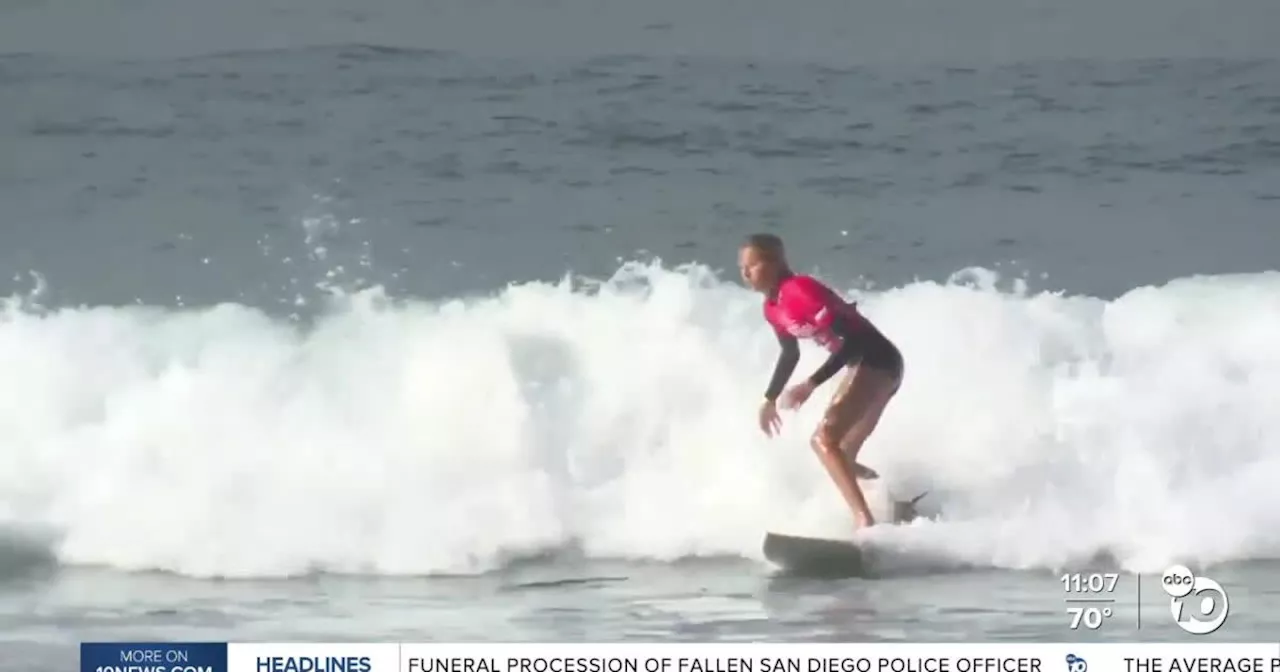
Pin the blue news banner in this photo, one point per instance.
(218, 657)
(153, 657)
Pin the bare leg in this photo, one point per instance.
(843, 477)
(862, 392)
(861, 430)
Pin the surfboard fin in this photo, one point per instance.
(905, 512)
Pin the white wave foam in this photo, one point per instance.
(397, 437)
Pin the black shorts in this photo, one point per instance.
(879, 353)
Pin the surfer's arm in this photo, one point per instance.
(787, 360)
(850, 350)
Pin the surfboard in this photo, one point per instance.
(833, 558)
(812, 556)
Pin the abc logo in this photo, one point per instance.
(1199, 604)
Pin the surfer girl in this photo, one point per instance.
(799, 306)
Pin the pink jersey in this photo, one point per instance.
(805, 308)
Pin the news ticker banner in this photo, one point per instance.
(668, 657)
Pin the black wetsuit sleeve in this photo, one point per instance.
(850, 350)
(787, 360)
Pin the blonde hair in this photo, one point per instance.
(768, 244)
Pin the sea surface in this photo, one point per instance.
(419, 321)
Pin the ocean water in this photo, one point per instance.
(414, 323)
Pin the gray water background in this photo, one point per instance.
(166, 153)
(157, 151)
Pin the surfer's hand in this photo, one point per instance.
(769, 420)
(797, 395)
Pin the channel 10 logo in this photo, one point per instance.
(1199, 604)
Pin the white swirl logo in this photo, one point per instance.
(1199, 604)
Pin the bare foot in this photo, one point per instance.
(865, 473)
